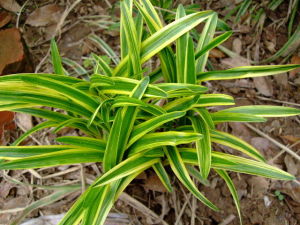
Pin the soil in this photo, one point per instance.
(263, 201)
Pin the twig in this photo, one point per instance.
(141, 207)
(19, 14)
(278, 101)
(83, 179)
(283, 147)
(283, 151)
(61, 172)
(182, 210)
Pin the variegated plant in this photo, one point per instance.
(136, 117)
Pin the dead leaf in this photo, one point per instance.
(260, 185)
(46, 15)
(237, 46)
(290, 164)
(263, 145)
(18, 202)
(270, 46)
(24, 120)
(5, 18)
(6, 123)
(10, 5)
(235, 62)
(215, 53)
(295, 60)
(240, 130)
(282, 80)
(12, 51)
(153, 183)
(292, 189)
(263, 86)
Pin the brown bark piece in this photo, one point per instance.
(11, 51)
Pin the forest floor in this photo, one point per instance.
(263, 201)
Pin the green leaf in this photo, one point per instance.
(203, 145)
(182, 174)
(102, 65)
(185, 63)
(131, 39)
(221, 117)
(76, 209)
(154, 24)
(245, 72)
(205, 38)
(163, 175)
(105, 47)
(122, 127)
(165, 36)
(56, 59)
(237, 164)
(124, 86)
(206, 100)
(91, 211)
(76, 95)
(264, 110)
(150, 125)
(224, 175)
(181, 104)
(287, 48)
(36, 128)
(206, 116)
(158, 139)
(57, 158)
(16, 152)
(242, 10)
(75, 66)
(179, 89)
(235, 143)
(84, 142)
(129, 166)
(214, 43)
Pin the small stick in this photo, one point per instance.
(283, 151)
(61, 172)
(278, 101)
(83, 179)
(182, 210)
(283, 147)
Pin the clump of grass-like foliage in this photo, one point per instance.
(136, 117)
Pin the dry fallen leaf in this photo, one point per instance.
(46, 15)
(295, 60)
(11, 49)
(237, 46)
(263, 145)
(5, 18)
(10, 5)
(263, 86)
(153, 183)
(260, 186)
(290, 164)
(24, 120)
(6, 123)
(215, 53)
(235, 62)
(292, 189)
